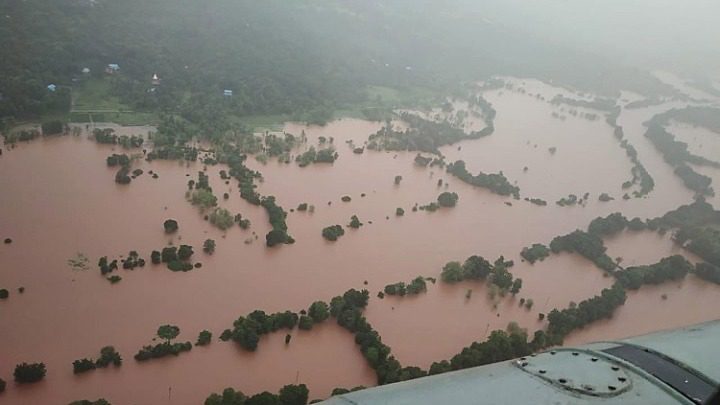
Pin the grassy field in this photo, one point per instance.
(93, 99)
(94, 94)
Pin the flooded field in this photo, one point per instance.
(59, 199)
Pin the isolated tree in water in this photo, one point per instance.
(168, 332)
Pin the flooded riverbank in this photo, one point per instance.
(59, 199)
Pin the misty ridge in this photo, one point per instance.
(313, 56)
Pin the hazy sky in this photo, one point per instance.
(664, 33)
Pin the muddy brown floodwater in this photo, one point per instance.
(59, 199)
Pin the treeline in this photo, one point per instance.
(499, 346)
(495, 182)
(562, 322)
(288, 395)
(602, 104)
(676, 154)
(640, 175)
(347, 310)
(670, 268)
(707, 117)
(613, 224)
(588, 245)
(232, 156)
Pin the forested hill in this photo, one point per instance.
(277, 56)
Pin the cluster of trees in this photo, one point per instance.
(495, 182)
(605, 197)
(108, 355)
(123, 174)
(477, 268)
(177, 259)
(276, 145)
(243, 223)
(587, 244)
(333, 232)
(535, 252)
(327, 155)
(167, 333)
(221, 218)
(609, 225)
(447, 199)
(204, 338)
(571, 199)
(697, 225)
(703, 241)
(100, 401)
(235, 159)
(669, 268)
(416, 286)
(132, 261)
(203, 198)
(29, 372)
(200, 193)
(122, 160)
(107, 267)
(278, 234)
(288, 395)
(421, 135)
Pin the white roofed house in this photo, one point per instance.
(227, 93)
(155, 80)
(112, 68)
